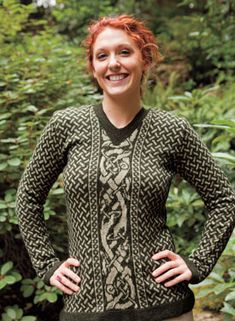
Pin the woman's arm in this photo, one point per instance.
(46, 163)
(195, 164)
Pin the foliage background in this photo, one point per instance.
(43, 69)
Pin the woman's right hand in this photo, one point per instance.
(65, 279)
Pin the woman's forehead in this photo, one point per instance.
(111, 37)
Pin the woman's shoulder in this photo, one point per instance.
(73, 111)
(68, 115)
(167, 118)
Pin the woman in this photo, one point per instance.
(118, 160)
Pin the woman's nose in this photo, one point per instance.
(114, 64)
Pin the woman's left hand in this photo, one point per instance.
(175, 269)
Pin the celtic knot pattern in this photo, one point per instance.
(115, 184)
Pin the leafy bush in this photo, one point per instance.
(73, 16)
(43, 70)
(198, 38)
(218, 290)
(40, 291)
(8, 275)
(14, 313)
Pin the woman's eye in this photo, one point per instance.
(125, 51)
(101, 56)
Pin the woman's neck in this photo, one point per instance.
(120, 112)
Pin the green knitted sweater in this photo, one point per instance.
(116, 183)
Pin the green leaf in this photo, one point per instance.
(16, 275)
(14, 162)
(230, 296)
(188, 94)
(2, 205)
(11, 313)
(210, 126)
(43, 296)
(175, 98)
(8, 197)
(6, 267)
(224, 122)
(32, 108)
(181, 219)
(40, 284)
(219, 288)
(36, 299)
(28, 291)
(216, 277)
(225, 156)
(5, 317)
(3, 218)
(8, 140)
(2, 283)
(28, 318)
(58, 191)
(27, 282)
(3, 166)
(19, 313)
(204, 293)
(5, 116)
(10, 279)
(52, 297)
(204, 283)
(228, 309)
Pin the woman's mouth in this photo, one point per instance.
(117, 77)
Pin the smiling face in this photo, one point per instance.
(117, 63)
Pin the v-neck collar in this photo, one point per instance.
(117, 135)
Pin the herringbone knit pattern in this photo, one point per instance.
(116, 183)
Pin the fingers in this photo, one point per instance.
(175, 269)
(69, 273)
(57, 282)
(169, 274)
(65, 282)
(180, 278)
(164, 267)
(165, 254)
(71, 261)
(65, 279)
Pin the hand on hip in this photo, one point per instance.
(65, 279)
(175, 269)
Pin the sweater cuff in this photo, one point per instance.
(50, 272)
(193, 268)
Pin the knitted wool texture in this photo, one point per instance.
(116, 183)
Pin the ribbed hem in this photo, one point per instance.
(156, 313)
(50, 272)
(192, 267)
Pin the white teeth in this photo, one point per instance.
(116, 77)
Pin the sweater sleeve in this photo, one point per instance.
(45, 165)
(195, 164)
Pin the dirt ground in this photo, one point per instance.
(207, 316)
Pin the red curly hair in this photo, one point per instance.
(140, 34)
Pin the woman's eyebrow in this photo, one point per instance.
(118, 46)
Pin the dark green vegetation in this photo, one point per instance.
(43, 69)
